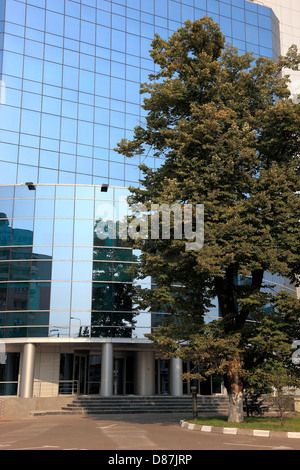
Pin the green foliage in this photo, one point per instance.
(210, 350)
(254, 404)
(227, 134)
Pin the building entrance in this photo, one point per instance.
(123, 375)
(80, 372)
(162, 379)
(87, 373)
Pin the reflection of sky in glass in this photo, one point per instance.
(71, 118)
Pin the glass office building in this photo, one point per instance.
(70, 76)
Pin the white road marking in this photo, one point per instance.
(124, 437)
(257, 445)
(105, 427)
(39, 447)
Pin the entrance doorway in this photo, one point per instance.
(80, 372)
(123, 375)
(162, 369)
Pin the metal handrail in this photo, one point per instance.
(59, 387)
(64, 387)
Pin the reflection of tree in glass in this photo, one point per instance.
(112, 314)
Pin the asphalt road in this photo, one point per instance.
(152, 433)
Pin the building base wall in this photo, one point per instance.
(18, 408)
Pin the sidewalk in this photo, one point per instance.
(239, 431)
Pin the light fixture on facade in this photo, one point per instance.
(30, 186)
(104, 188)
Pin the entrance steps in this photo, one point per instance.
(132, 404)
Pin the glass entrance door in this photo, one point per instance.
(162, 368)
(124, 375)
(80, 372)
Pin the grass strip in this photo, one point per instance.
(265, 423)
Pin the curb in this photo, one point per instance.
(239, 431)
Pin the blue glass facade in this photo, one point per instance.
(71, 71)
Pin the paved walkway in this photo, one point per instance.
(152, 433)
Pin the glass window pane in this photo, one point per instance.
(42, 252)
(54, 23)
(5, 252)
(84, 209)
(12, 64)
(83, 253)
(20, 271)
(3, 269)
(15, 12)
(60, 297)
(122, 297)
(3, 299)
(120, 273)
(62, 252)
(81, 296)
(52, 73)
(24, 208)
(33, 69)
(61, 270)
(63, 232)
(43, 232)
(102, 271)
(83, 232)
(40, 296)
(82, 271)
(9, 119)
(18, 296)
(35, 17)
(41, 270)
(122, 254)
(85, 132)
(86, 81)
(102, 297)
(6, 212)
(104, 254)
(44, 208)
(72, 28)
(64, 208)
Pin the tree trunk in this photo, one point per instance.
(235, 411)
(234, 386)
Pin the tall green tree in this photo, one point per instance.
(227, 134)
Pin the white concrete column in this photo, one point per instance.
(107, 362)
(145, 372)
(27, 372)
(176, 384)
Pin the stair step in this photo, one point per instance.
(95, 404)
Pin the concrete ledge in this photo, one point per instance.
(239, 431)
